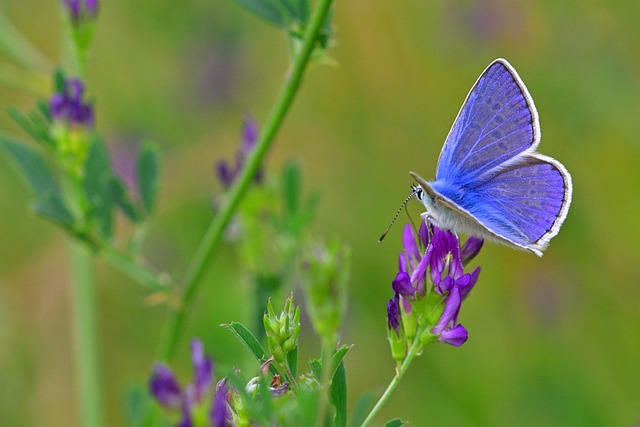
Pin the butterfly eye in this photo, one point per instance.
(417, 191)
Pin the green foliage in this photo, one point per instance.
(247, 339)
(33, 167)
(148, 176)
(292, 16)
(339, 395)
(325, 276)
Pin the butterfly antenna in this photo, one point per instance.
(395, 217)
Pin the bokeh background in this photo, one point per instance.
(553, 341)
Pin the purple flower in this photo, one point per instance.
(432, 265)
(165, 388)
(447, 328)
(202, 375)
(445, 264)
(91, 7)
(413, 261)
(220, 414)
(78, 10)
(227, 172)
(393, 314)
(70, 108)
(402, 285)
(471, 248)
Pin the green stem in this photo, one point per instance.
(175, 320)
(84, 330)
(127, 266)
(413, 351)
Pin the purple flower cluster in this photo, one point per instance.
(227, 172)
(70, 108)
(194, 397)
(439, 252)
(78, 9)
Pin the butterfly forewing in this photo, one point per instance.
(496, 123)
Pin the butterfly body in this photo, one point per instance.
(490, 180)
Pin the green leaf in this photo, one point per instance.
(339, 395)
(291, 189)
(148, 172)
(316, 368)
(252, 407)
(362, 409)
(50, 206)
(247, 339)
(272, 11)
(265, 398)
(59, 80)
(396, 422)
(300, 10)
(120, 195)
(97, 187)
(292, 361)
(137, 404)
(337, 357)
(36, 131)
(33, 167)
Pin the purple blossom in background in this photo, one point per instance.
(227, 172)
(164, 387)
(432, 263)
(78, 9)
(70, 108)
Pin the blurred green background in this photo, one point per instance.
(553, 341)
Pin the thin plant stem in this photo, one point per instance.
(83, 298)
(191, 282)
(413, 351)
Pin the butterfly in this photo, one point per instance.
(490, 180)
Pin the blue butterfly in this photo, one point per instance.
(490, 180)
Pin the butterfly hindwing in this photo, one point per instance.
(525, 203)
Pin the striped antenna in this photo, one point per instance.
(414, 191)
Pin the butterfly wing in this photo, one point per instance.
(497, 122)
(523, 204)
(490, 180)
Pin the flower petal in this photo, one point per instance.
(409, 243)
(164, 387)
(393, 313)
(471, 248)
(202, 370)
(220, 413)
(451, 309)
(455, 336)
(423, 234)
(402, 285)
(473, 278)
